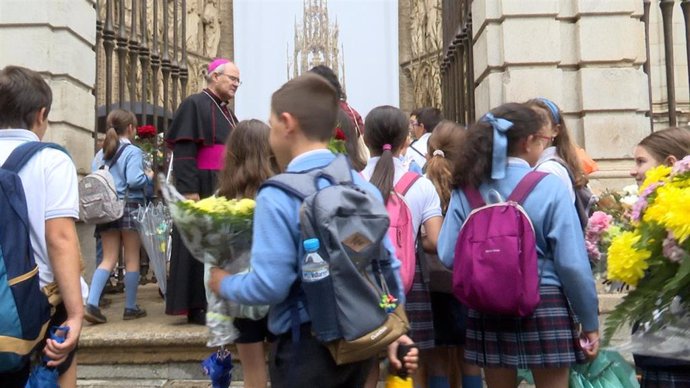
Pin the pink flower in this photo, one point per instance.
(592, 251)
(671, 249)
(598, 223)
(681, 166)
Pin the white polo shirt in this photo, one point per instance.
(50, 185)
(418, 149)
(422, 198)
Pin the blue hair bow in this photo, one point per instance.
(552, 108)
(500, 147)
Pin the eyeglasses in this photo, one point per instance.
(549, 139)
(232, 78)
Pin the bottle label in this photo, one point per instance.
(314, 275)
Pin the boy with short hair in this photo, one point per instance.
(49, 180)
(303, 115)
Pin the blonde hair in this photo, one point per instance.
(446, 138)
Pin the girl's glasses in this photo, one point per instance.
(549, 139)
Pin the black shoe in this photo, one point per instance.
(93, 314)
(197, 317)
(133, 313)
(105, 302)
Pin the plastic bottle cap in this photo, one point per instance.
(311, 245)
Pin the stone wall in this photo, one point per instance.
(586, 55)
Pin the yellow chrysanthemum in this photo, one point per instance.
(670, 209)
(626, 262)
(656, 174)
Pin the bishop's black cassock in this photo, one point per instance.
(197, 137)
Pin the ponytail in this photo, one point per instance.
(439, 171)
(443, 148)
(386, 130)
(384, 173)
(110, 144)
(474, 162)
(117, 123)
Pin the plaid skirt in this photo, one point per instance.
(549, 338)
(418, 310)
(652, 378)
(126, 222)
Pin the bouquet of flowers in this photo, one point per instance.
(151, 142)
(654, 258)
(218, 232)
(337, 143)
(610, 218)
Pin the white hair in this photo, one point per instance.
(218, 70)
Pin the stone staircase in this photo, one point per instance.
(165, 351)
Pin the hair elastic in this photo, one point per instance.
(439, 153)
(387, 147)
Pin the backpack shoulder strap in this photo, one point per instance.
(474, 197)
(114, 159)
(406, 182)
(526, 186)
(22, 154)
(415, 149)
(301, 185)
(338, 171)
(304, 184)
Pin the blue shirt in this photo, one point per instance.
(560, 242)
(276, 249)
(128, 172)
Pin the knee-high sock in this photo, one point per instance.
(100, 277)
(131, 285)
(439, 382)
(472, 381)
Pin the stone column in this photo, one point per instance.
(586, 55)
(56, 38)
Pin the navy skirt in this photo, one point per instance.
(549, 338)
(126, 222)
(654, 378)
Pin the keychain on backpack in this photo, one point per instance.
(388, 302)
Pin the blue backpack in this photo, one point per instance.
(25, 308)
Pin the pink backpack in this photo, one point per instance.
(401, 230)
(495, 264)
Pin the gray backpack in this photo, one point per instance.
(346, 306)
(98, 201)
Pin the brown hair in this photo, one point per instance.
(117, 123)
(565, 148)
(473, 165)
(672, 141)
(248, 160)
(351, 144)
(23, 92)
(385, 125)
(429, 117)
(312, 101)
(447, 138)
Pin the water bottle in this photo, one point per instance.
(314, 268)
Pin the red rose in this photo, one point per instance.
(339, 134)
(146, 131)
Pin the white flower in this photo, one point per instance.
(629, 200)
(631, 190)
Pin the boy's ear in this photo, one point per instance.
(290, 122)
